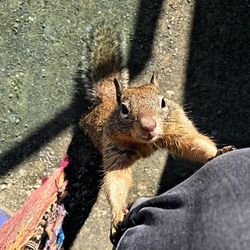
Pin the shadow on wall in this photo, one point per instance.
(39, 138)
(141, 47)
(144, 34)
(84, 177)
(217, 88)
(84, 172)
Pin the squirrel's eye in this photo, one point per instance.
(163, 103)
(124, 110)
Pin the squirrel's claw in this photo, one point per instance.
(225, 150)
(116, 223)
(114, 232)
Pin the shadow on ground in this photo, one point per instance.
(85, 172)
(217, 91)
(217, 88)
(142, 45)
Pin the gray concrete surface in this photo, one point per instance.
(200, 49)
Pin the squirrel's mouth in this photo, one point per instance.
(149, 137)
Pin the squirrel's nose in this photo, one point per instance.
(148, 124)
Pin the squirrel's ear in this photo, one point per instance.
(118, 89)
(154, 78)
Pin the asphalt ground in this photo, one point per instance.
(199, 48)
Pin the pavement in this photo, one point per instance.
(200, 51)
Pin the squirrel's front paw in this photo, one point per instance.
(115, 223)
(225, 150)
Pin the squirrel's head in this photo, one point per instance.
(141, 111)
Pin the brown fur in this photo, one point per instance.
(151, 123)
(121, 141)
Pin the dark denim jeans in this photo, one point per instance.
(210, 210)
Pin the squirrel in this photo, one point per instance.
(127, 123)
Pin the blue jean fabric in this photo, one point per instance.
(210, 210)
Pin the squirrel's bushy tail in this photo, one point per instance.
(105, 58)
